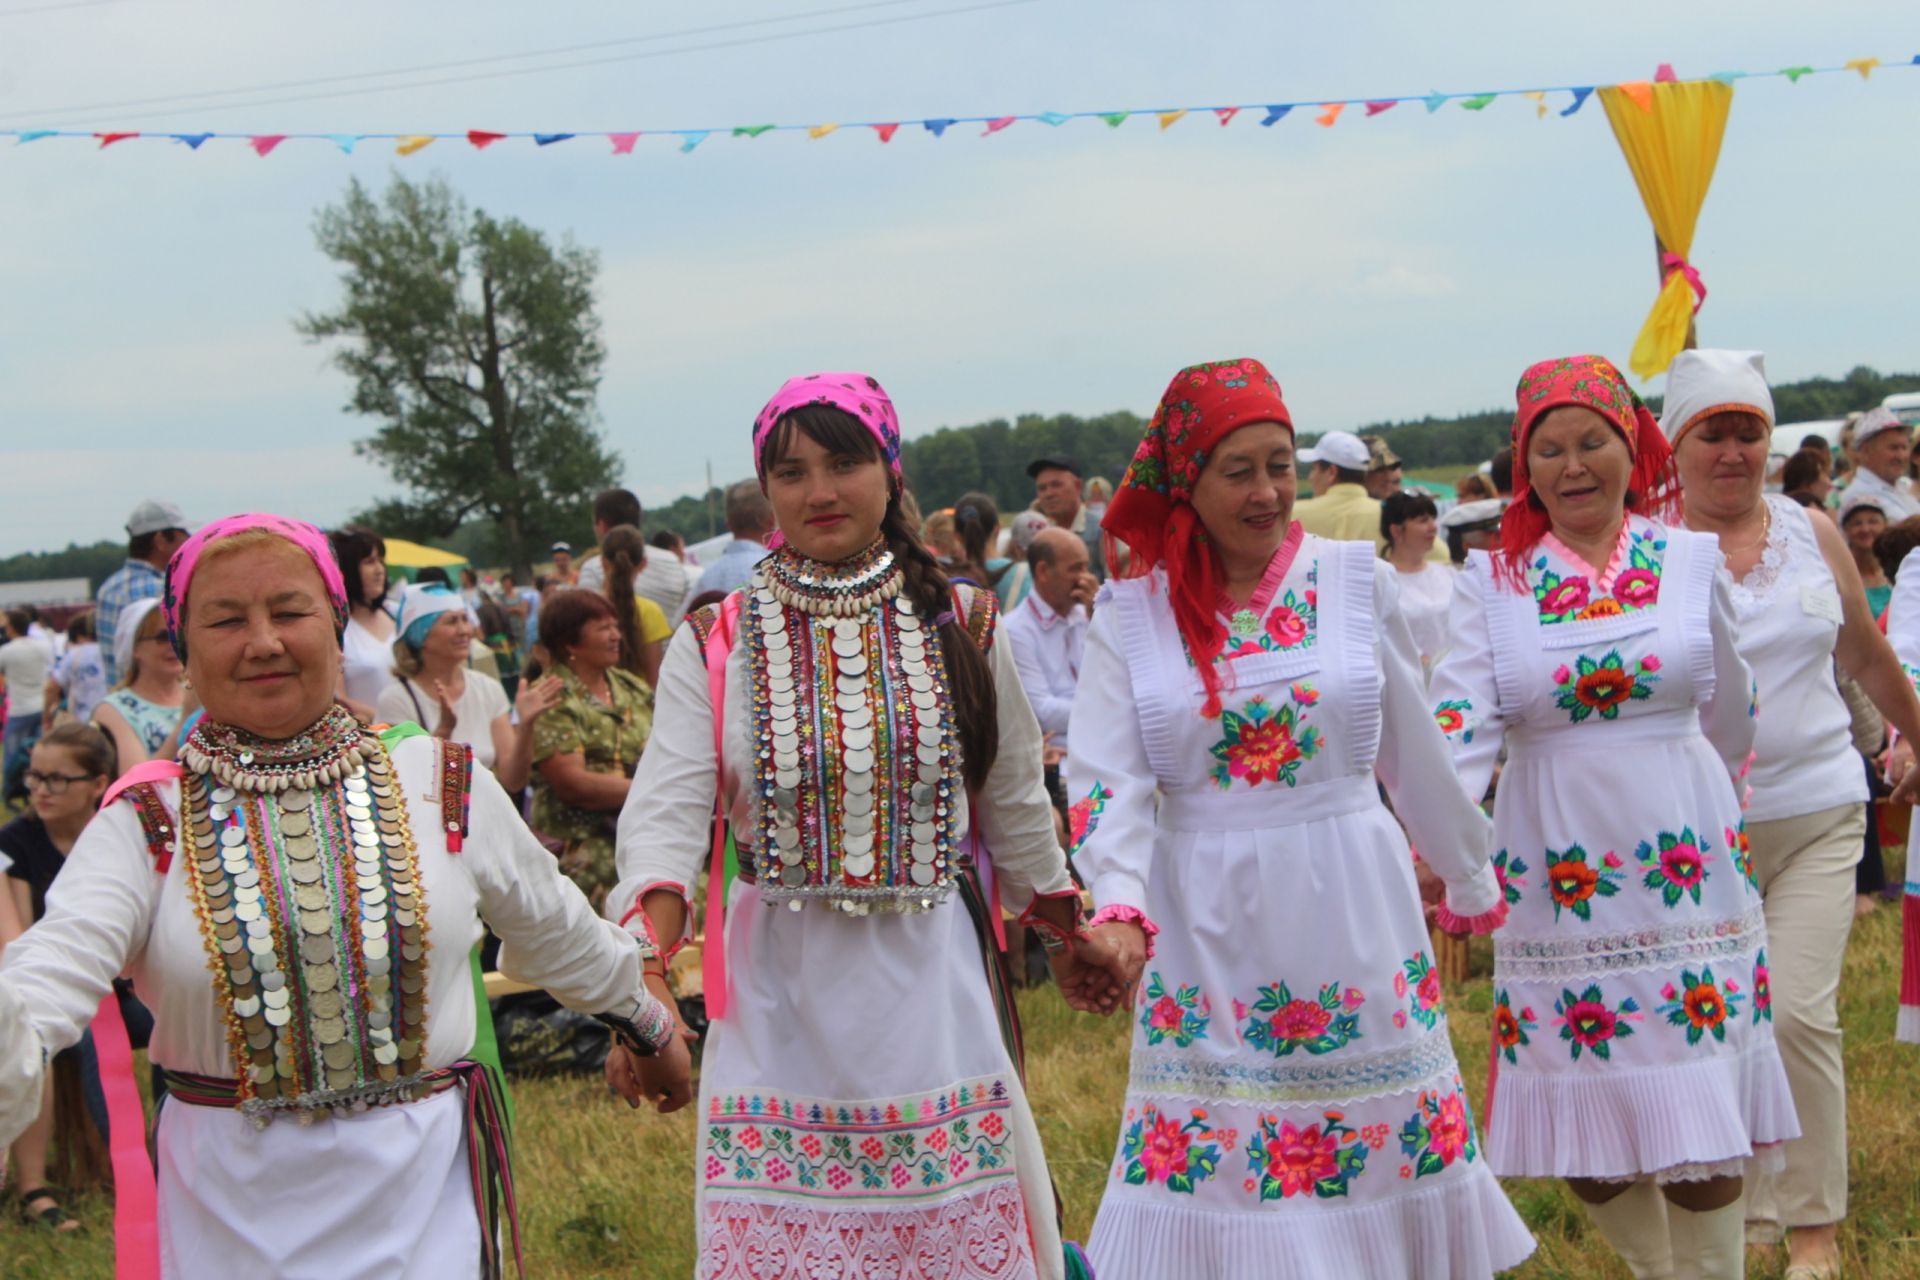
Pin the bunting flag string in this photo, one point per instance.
(1327, 112)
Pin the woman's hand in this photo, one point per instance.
(448, 716)
(1097, 973)
(541, 696)
(1901, 775)
(665, 1079)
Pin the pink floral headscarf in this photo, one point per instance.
(856, 394)
(301, 534)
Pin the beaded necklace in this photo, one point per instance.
(314, 917)
(855, 750)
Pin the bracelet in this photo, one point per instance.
(645, 1028)
(1126, 915)
(1054, 939)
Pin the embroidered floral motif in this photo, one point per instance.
(1572, 597)
(1677, 868)
(1587, 1022)
(1508, 870)
(1509, 1028)
(1589, 686)
(1762, 989)
(1742, 850)
(1280, 1024)
(900, 1148)
(1084, 818)
(1701, 1005)
(1160, 1149)
(1290, 626)
(1321, 1159)
(1574, 885)
(1265, 743)
(1180, 1015)
(1418, 982)
(1439, 1132)
(1451, 716)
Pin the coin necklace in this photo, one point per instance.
(855, 749)
(314, 917)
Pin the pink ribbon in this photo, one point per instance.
(136, 1215)
(1672, 262)
(713, 947)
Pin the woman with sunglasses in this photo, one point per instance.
(66, 776)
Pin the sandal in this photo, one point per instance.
(51, 1217)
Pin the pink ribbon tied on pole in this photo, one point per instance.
(1672, 262)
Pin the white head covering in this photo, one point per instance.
(1465, 514)
(1710, 381)
(1873, 422)
(1855, 499)
(126, 633)
(1341, 449)
(1025, 527)
(418, 603)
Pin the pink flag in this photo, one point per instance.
(886, 131)
(263, 144)
(108, 139)
(623, 143)
(1375, 108)
(995, 126)
(1226, 114)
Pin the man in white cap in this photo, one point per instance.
(1340, 507)
(154, 531)
(1882, 445)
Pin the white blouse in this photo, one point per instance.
(1425, 597)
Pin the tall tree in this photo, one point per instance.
(475, 343)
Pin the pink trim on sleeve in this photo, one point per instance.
(1126, 915)
(1486, 922)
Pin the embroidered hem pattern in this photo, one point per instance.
(979, 1235)
(919, 1148)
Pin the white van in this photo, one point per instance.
(1786, 439)
(1905, 406)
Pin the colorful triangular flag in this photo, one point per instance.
(1479, 101)
(1435, 101)
(995, 126)
(264, 143)
(1169, 118)
(34, 135)
(1864, 66)
(344, 141)
(1580, 97)
(1053, 118)
(821, 130)
(1326, 118)
(1639, 91)
(1794, 73)
(1663, 74)
(623, 142)
(1385, 104)
(750, 130)
(886, 131)
(1539, 102)
(483, 138)
(548, 139)
(108, 139)
(193, 140)
(1115, 119)
(1275, 115)
(1226, 114)
(417, 142)
(689, 141)
(937, 127)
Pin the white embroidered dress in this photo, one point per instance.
(1632, 1021)
(385, 1193)
(1903, 632)
(859, 1114)
(1294, 1108)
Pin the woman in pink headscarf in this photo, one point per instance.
(851, 715)
(297, 902)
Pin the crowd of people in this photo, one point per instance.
(1228, 755)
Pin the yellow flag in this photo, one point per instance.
(1672, 146)
(1864, 66)
(1167, 118)
(1539, 103)
(821, 130)
(417, 142)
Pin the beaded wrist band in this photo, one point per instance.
(646, 1029)
(1055, 939)
(1126, 915)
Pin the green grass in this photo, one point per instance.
(608, 1192)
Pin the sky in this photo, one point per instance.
(1385, 268)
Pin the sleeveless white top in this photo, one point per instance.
(1788, 608)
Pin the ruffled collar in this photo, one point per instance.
(842, 589)
(326, 751)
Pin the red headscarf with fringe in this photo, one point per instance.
(1594, 383)
(1152, 510)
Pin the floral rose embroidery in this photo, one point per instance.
(1419, 982)
(1601, 686)
(1677, 867)
(1160, 1150)
(1762, 990)
(1280, 1024)
(1286, 626)
(1587, 1022)
(1508, 870)
(1264, 743)
(1742, 849)
(1439, 1132)
(1700, 1005)
(1451, 716)
(1574, 885)
(1179, 1014)
(1320, 1159)
(1510, 1028)
(1561, 597)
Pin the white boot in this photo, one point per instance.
(1635, 1224)
(1710, 1245)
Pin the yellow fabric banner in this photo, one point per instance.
(1672, 149)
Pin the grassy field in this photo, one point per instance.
(606, 1192)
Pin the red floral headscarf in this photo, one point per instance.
(1152, 511)
(1594, 383)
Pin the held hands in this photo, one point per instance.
(1901, 775)
(665, 1079)
(1097, 973)
(534, 699)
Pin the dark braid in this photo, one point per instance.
(976, 705)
